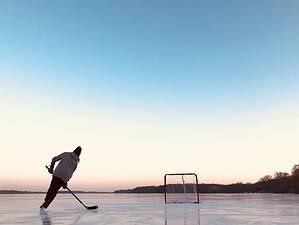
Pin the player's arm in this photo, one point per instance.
(54, 160)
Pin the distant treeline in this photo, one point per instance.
(280, 182)
(42, 192)
(20, 192)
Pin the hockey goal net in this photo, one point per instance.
(181, 188)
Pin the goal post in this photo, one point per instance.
(181, 188)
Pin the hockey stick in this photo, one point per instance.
(87, 207)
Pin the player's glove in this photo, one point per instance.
(50, 169)
(64, 185)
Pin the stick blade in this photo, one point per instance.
(92, 207)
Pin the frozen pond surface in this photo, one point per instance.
(132, 209)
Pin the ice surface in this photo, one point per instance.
(147, 209)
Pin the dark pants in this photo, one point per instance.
(55, 185)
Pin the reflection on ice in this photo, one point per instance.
(45, 217)
(149, 209)
(184, 214)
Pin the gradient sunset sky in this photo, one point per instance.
(148, 88)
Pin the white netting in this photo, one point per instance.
(181, 188)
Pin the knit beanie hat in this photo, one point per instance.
(78, 150)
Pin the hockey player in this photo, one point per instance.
(62, 173)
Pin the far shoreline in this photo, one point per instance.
(7, 192)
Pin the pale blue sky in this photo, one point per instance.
(200, 60)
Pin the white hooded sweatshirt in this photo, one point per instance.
(67, 165)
